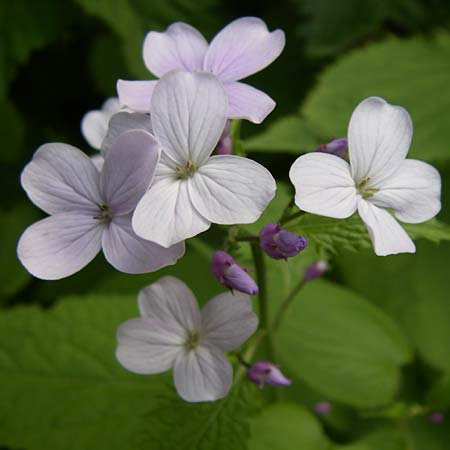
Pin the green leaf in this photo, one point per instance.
(220, 425)
(291, 134)
(317, 342)
(61, 385)
(13, 276)
(287, 426)
(414, 73)
(438, 397)
(337, 235)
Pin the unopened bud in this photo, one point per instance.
(336, 147)
(323, 408)
(231, 275)
(279, 243)
(265, 372)
(315, 270)
(436, 417)
(225, 144)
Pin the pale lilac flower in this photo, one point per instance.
(279, 243)
(323, 408)
(225, 145)
(193, 189)
(436, 417)
(265, 372)
(231, 275)
(94, 124)
(173, 333)
(315, 270)
(336, 147)
(242, 48)
(90, 210)
(378, 179)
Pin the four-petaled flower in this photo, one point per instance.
(193, 189)
(173, 333)
(242, 48)
(90, 209)
(378, 178)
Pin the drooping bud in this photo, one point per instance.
(323, 408)
(336, 147)
(265, 372)
(436, 417)
(315, 270)
(231, 274)
(279, 243)
(225, 144)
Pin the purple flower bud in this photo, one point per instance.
(315, 270)
(225, 145)
(231, 274)
(323, 408)
(436, 417)
(279, 243)
(336, 147)
(265, 372)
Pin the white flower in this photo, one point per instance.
(174, 333)
(191, 189)
(378, 178)
(94, 124)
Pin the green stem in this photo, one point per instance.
(248, 238)
(292, 217)
(285, 305)
(260, 268)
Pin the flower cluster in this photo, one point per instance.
(166, 172)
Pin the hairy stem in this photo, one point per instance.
(285, 305)
(291, 217)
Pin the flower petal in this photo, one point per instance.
(147, 346)
(136, 95)
(387, 235)
(169, 300)
(122, 122)
(94, 124)
(98, 161)
(228, 320)
(60, 245)
(129, 253)
(413, 192)
(165, 214)
(202, 375)
(246, 102)
(231, 189)
(189, 113)
(379, 136)
(242, 48)
(128, 170)
(61, 178)
(179, 47)
(323, 185)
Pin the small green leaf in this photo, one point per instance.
(433, 230)
(420, 84)
(287, 426)
(291, 134)
(317, 342)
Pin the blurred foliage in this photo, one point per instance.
(372, 339)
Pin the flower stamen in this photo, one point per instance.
(187, 171)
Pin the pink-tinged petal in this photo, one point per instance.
(128, 253)
(246, 102)
(228, 320)
(179, 47)
(413, 192)
(189, 113)
(242, 48)
(147, 346)
(61, 178)
(231, 189)
(387, 235)
(94, 124)
(128, 170)
(136, 95)
(165, 214)
(379, 136)
(122, 122)
(323, 185)
(60, 245)
(202, 375)
(170, 301)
